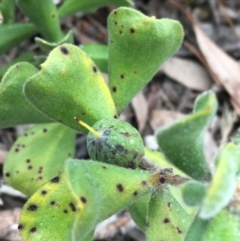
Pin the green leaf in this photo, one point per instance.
(50, 213)
(224, 227)
(14, 34)
(197, 229)
(25, 57)
(138, 211)
(193, 193)
(99, 54)
(70, 85)
(223, 185)
(158, 158)
(138, 45)
(81, 197)
(182, 142)
(38, 155)
(48, 46)
(236, 140)
(7, 8)
(44, 15)
(166, 220)
(70, 7)
(14, 107)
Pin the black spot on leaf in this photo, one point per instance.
(7, 174)
(166, 220)
(114, 89)
(20, 226)
(44, 130)
(83, 199)
(132, 30)
(94, 69)
(64, 50)
(30, 167)
(55, 179)
(135, 193)
(33, 230)
(144, 183)
(65, 211)
(179, 230)
(40, 170)
(43, 192)
(120, 187)
(28, 161)
(122, 76)
(32, 207)
(73, 207)
(52, 203)
(16, 150)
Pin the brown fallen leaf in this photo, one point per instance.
(140, 107)
(188, 73)
(160, 118)
(8, 224)
(225, 70)
(3, 155)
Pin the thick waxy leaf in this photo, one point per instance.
(158, 158)
(84, 195)
(223, 184)
(182, 142)
(99, 54)
(138, 211)
(224, 227)
(44, 15)
(50, 213)
(237, 141)
(138, 45)
(166, 220)
(193, 193)
(14, 34)
(38, 155)
(197, 229)
(70, 85)
(48, 46)
(7, 8)
(72, 6)
(15, 109)
(25, 57)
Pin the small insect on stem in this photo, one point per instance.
(94, 132)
